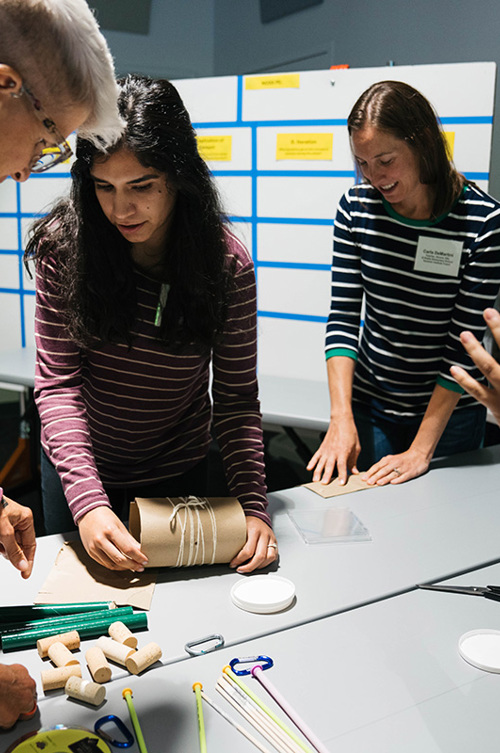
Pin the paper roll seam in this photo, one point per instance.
(188, 531)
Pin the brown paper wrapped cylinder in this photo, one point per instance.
(71, 640)
(85, 690)
(60, 655)
(98, 664)
(186, 531)
(57, 678)
(120, 633)
(144, 658)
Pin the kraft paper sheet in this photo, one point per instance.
(202, 531)
(335, 489)
(75, 576)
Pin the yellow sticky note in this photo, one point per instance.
(449, 137)
(215, 148)
(279, 81)
(304, 146)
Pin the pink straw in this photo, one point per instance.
(258, 673)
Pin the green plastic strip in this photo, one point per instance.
(56, 622)
(86, 629)
(41, 611)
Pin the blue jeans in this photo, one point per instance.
(58, 519)
(464, 432)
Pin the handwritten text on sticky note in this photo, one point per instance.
(278, 81)
(318, 146)
(215, 148)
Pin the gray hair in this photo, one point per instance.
(57, 48)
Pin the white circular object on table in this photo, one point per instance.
(481, 648)
(263, 594)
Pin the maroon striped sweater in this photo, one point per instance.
(121, 417)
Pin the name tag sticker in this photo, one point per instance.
(438, 256)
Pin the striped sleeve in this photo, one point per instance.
(342, 329)
(58, 395)
(478, 290)
(236, 411)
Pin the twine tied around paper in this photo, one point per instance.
(191, 507)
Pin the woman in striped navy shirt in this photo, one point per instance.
(146, 313)
(420, 246)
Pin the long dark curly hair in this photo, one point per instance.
(95, 270)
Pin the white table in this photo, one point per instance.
(441, 524)
(384, 678)
(17, 368)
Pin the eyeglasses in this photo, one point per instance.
(53, 155)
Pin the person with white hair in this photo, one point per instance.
(56, 76)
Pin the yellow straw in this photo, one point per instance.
(230, 674)
(127, 694)
(198, 687)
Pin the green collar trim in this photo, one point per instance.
(420, 223)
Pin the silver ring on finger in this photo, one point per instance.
(396, 471)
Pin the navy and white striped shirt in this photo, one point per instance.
(413, 319)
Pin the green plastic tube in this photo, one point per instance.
(86, 629)
(18, 627)
(23, 613)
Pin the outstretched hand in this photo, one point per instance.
(488, 396)
(260, 550)
(17, 535)
(108, 542)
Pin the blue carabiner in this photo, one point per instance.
(265, 662)
(111, 718)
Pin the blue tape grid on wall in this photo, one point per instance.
(254, 173)
(21, 292)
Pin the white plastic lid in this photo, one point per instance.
(481, 648)
(263, 594)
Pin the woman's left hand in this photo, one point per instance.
(260, 549)
(396, 469)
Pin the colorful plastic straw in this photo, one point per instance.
(197, 687)
(237, 681)
(258, 673)
(234, 724)
(127, 694)
(254, 716)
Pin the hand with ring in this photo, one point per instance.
(396, 469)
(260, 550)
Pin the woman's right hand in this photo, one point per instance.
(340, 448)
(108, 542)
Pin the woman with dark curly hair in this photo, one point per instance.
(146, 313)
(420, 246)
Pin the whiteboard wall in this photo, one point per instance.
(283, 209)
